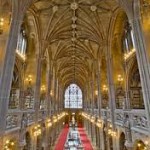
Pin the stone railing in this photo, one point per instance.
(30, 115)
(119, 117)
(106, 114)
(136, 117)
(42, 114)
(15, 117)
(96, 112)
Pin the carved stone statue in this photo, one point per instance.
(24, 121)
(127, 128)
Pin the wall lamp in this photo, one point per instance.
(9, 144)
(1, 25)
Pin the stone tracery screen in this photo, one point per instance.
(73, 97)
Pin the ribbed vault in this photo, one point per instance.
(74, 30)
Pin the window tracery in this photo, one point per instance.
(73, 97)
(22, 43)
(127, 41)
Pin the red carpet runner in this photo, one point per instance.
(62, 139)
(84, 139)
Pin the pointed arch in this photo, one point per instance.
(73, 96)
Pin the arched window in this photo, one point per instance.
(22, 43)
(127, 38)
(73, 97)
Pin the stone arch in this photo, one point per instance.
(139, 145)
(73, 96)
(44, 81)
(15, 88)
(105, 136)
(28, 141)
(39, 142)
(122, 140)
(110, 139)
(142, 11)
(33, 50)
(134, 86)
(115, 49)
(43, 140)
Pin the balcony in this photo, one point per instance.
(136, 117)
(15, 118)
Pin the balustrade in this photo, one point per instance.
(119, 117)
(42, 114)
(12, 121)
(30, 116)
(15, 117)
(137, 118)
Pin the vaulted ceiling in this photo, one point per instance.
(75, 31)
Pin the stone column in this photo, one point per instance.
(101, 140)
(93, 133)
(61, 99)
(54, 92)
(40, 58)
(98, 138)
(48, 96)
(87, 98)
(22, 90)
(143, 64)
(57, 96)
(46, 140)
(127, 104)
(91, 108)
(37, 88)
(18, 11)
(92, 97)
(111, 88)
(99, 89)
(48, 99)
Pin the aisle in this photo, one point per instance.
(84, 139)
(62, 139)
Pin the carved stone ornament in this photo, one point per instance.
(93, 8)
(74, 6)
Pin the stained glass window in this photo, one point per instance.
(73, 97)
(128, 42)
(22, 43)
